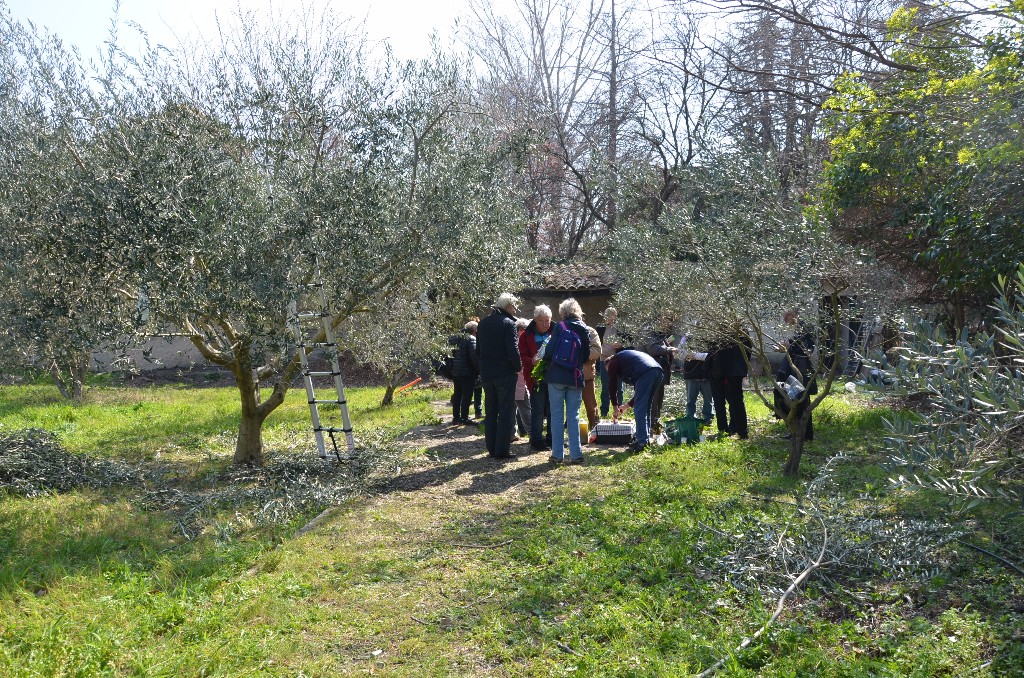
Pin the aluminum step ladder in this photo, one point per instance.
(318, 319)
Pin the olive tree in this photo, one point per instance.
(277, 159)
(206, 188)
(66, 286)
(731, 254)
(396, 340)
(964, 440)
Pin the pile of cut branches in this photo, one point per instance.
(33, 463)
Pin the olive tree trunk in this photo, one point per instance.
(797, 428)
(70, 378)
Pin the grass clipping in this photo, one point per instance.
(33, 463)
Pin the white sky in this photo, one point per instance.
(406, 24)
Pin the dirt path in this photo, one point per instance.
(407, 571)
(450, 463)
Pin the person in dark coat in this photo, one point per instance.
(645, 374)
(658, 346)
(727, 367)
(464, 371)
(797, 363)
(478, 390)
(530, 341)
(498, 357)
(607, 333)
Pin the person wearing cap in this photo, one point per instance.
(498, 357)
(608, 335)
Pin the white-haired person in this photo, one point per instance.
(565, 381)
(523, 414)
(530, 341)
(498, 357)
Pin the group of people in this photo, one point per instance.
(519, 393)
(539, 371)
(535, 375)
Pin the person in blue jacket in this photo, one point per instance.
(645, 374)
(565, 384)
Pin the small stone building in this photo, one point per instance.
(589, 282)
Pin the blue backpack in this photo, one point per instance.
(567, 348)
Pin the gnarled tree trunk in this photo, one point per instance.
(70, 378)
(249, 447)
(797, 429)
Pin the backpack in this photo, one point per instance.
(443, 368)
(567, 349)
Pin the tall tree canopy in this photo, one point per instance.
(230, 170)
(925, 164)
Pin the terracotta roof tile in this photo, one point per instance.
(571, 276)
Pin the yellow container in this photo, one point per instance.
(584, 430)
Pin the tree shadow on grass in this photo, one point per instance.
(15, 400)
(455, 452)
(450, 458)
(48, 540)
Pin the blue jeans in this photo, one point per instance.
(701, 387)
(565, 412)
(643, 393)
(500, 414)
(606, 398)
(538, 415)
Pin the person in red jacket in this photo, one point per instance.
(530, 341)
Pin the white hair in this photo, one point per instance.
(470, 326)
(522, 323)
(570, 307)
(610, 311)
(542, 311)
(506, 299)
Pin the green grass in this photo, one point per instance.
(625, 578)
(617, 561)
(176, 422)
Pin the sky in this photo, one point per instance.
(406, 24)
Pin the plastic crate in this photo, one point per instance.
(613, 433)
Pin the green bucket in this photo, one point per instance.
(684, 428)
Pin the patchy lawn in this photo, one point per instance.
(440, 561)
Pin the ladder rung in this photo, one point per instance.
(321, 374)
(312, 314)
(321, 344)
(325, 402)
(334, 429)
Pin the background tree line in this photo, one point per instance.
(730, 159)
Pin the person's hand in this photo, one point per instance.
(536, 359)
(691, 356)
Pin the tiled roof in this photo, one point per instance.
(571, 276)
